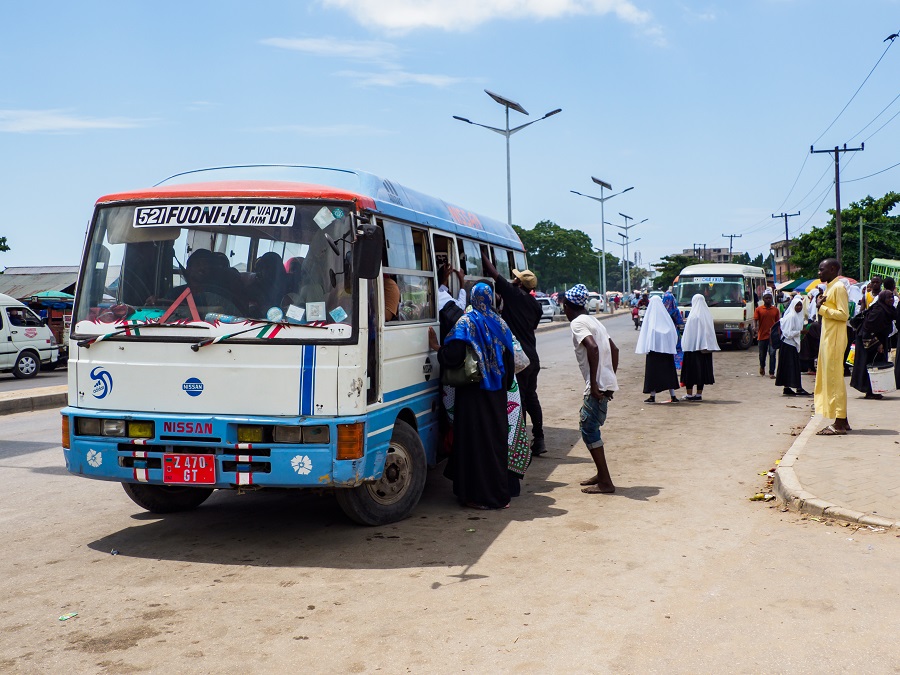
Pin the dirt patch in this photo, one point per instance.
(126, 638)
(119, 667)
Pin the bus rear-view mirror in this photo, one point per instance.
(367, 250)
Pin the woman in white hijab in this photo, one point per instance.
(788, 373)
(698, 342)
(658, 340)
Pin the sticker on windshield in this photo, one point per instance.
(295, 314)
(315, 311)
(275, 314)
(169, 215)
(338, 314)
(324, 217)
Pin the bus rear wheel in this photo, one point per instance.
(393, 496)
(166, 498)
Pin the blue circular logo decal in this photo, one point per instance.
(103, 382)
(192, 386)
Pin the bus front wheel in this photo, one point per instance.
(166, 498)
(393, 496)
(745, 341)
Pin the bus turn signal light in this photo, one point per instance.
(350, 440)
(65, 432)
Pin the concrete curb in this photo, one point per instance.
(788, 488)
(27, 400)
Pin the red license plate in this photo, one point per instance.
(189, 469)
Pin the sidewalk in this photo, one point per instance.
(25, 400)
(854, 477)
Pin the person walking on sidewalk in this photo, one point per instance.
(522, 313)
(831, 391)
(598, 360)
(766, 317)
(658, 339)
(789, 372)
(699, 342)
(873, 342)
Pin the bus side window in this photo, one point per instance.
(501, 262)
(409, 266)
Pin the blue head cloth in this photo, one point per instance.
(577, 295)
(672, 308)
(484, 330)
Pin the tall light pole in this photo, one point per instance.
(602, 200)
(624, 244)
(507, 132)
(627, 227)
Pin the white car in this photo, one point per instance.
(549, 308)
(595, 302)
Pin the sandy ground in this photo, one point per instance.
(676, 572)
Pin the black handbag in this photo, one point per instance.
(467, 373)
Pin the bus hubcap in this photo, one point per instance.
(395, 480)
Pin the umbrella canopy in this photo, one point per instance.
(795, 284)
(815, 282)
(51, 295)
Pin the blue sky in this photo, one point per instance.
(707, 108)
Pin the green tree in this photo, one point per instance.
(741, 259)
(670, 266)
(881, 238)
(562, 258)
(3, 246)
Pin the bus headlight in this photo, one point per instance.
(140, 429)
(249, 434)
(316, 434)
(288, 434)
(87, 426)
(112, 427)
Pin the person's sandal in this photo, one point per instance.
(650, 399)
(674, 399)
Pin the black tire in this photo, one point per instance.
(745, 341)
(394, 496)
(166, 498)
(28, 364)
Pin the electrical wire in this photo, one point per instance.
(853, 180)
(873, 120)
(855, 93)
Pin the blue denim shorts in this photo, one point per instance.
(593, 415)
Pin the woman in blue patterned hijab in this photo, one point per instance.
(483, 329)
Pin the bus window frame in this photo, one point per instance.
(427, 255)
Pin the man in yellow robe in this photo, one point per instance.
(831, 391)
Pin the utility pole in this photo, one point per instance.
(860, 273)
(837, 191)
(787, 240)
(731, 238)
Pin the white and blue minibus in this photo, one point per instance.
(230, 332)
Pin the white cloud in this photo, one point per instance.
(397, 78)
(404, 15)
(47, 121)
(337, 48)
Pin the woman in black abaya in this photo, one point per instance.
(872, 342)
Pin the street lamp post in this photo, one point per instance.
(602, 200)
(627, 227)
(624, 243)
(507, 132)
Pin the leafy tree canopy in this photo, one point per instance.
(670, 266)
(562, 258)
(881, 238)
(3, 246)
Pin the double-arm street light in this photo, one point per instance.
(507, 132)
(624, 243)
(627, 227)
(602, 199)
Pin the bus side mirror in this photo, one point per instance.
(367, 250)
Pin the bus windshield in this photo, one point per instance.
(719, 291)
(219, 260)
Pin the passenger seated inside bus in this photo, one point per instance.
(209, 294)
(391, 298)
(269, 286)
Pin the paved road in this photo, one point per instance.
(676, 572)
(43, 379)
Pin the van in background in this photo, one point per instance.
(26, 344)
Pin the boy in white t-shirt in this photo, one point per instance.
(598, 359)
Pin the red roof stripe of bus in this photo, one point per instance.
(242, 189)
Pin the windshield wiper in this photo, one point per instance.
(86, 343)
(260, 325)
